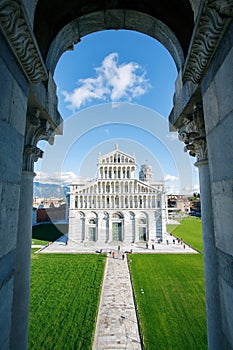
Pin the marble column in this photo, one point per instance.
(20, 306)
(192, 134)
(19, 337)
(36, 129)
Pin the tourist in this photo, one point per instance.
(123, 256)
(113, 255)
(119, 248)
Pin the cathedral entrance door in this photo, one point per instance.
(92, 234)
(142, 234)
(117, 231)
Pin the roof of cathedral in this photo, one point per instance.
(116, 152)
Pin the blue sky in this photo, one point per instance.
(116, 87)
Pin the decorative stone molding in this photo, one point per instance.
(36, 130)
(15, 27)
(31, 155)
(224, 7)
(192, 133)
(213, 22)
(72, 33)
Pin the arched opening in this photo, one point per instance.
(199, 38)
(92, 227)
(117, 227)
(157, 21)
(142, 227)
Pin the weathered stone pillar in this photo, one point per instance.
(193, 135)
(19, 331)
(36, 129)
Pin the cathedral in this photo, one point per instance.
(117, 207)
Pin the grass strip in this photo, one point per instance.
(190, 230)
(169, 292)
(65, 292)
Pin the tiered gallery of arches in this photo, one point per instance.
(117, 206)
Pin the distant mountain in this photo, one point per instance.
(49, 190)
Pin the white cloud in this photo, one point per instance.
(173, 136)
(169, 177)
(113, 81)
(56, 178)
(107, 131)
(116, 105)
(196, 188)
(170, 189)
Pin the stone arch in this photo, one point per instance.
(117, 220)
(142, 226)
(206, 76)
(92, 226)
(72, 33)
(30, 5)
(50, 19)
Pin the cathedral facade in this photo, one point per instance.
(117, 207)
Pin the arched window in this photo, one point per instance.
(142, 221)
(107, 187)
(142, 228)
(117, 226)
(92, 229)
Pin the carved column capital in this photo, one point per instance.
(36, 130)
(192, 133)
(224, 7)
(212, 24)
(31, 155)
(17, 31)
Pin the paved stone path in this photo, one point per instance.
(166, 247)
(117, 326)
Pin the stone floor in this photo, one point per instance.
(167, 246)
(117, 326)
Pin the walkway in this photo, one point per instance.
(166, 247)
(116, 326)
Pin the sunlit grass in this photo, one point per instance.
(190, 230)
(39, 242)
(170, 297)
(169, 290)
(65, 292)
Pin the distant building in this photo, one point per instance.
(34, 216)
(51, 214)
(195, 207)
(177, 204)
(117, 206)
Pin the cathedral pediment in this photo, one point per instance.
(116, 156)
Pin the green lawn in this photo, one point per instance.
(169, 291)
(39, 242)
(65, 291)
(189, 230)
